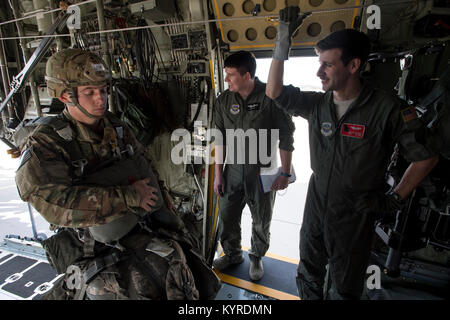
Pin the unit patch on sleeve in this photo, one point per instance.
(409, 114)
(26, 155)
(326, 129)
(235, 108)
(253, 106)
(353, 130)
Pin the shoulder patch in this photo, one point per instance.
(235, 109)
(26, 155)
(66, 133)
(326, 129)
(409, 114)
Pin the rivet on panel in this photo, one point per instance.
(248, 6)
(338, 25)
(315, 3)
(228, 9)
(269, 5)
(232, 35)
(314, 29)
(251, 34)
(270, 32)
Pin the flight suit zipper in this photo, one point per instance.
(335, 146)
(243, 141)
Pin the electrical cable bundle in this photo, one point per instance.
(146, 57)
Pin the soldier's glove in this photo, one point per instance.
(289, 21)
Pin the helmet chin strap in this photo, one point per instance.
(75, 103)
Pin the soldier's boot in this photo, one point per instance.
(225, 261)
(256, 271)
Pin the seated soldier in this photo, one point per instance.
(85, 173)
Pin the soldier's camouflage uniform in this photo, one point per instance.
(81, 180)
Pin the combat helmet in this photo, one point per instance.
(71, 68)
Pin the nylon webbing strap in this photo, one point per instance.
(187, 286)
(99, 264)
(80, 293)
(435, 95)
(89, 243)
(62, 127)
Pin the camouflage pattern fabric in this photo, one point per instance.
(45, 178)
(71, 68)
(153, 267)
(104, 194)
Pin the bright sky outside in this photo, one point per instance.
(300, 72)
(289, 203)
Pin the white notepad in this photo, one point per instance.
(266, 179)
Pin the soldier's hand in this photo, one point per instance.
(280, 183)
(289, 21)
(147, 193)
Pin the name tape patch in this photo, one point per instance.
(353, 130)
(253, 107)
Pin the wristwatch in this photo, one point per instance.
(395, 201)
(396, 196)
(284, 174)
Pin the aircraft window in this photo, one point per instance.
(300, 72)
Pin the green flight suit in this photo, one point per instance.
(349, 158)
(241, 173)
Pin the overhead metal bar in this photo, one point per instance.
(40, 12)
(26, 55)
(19, 80)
